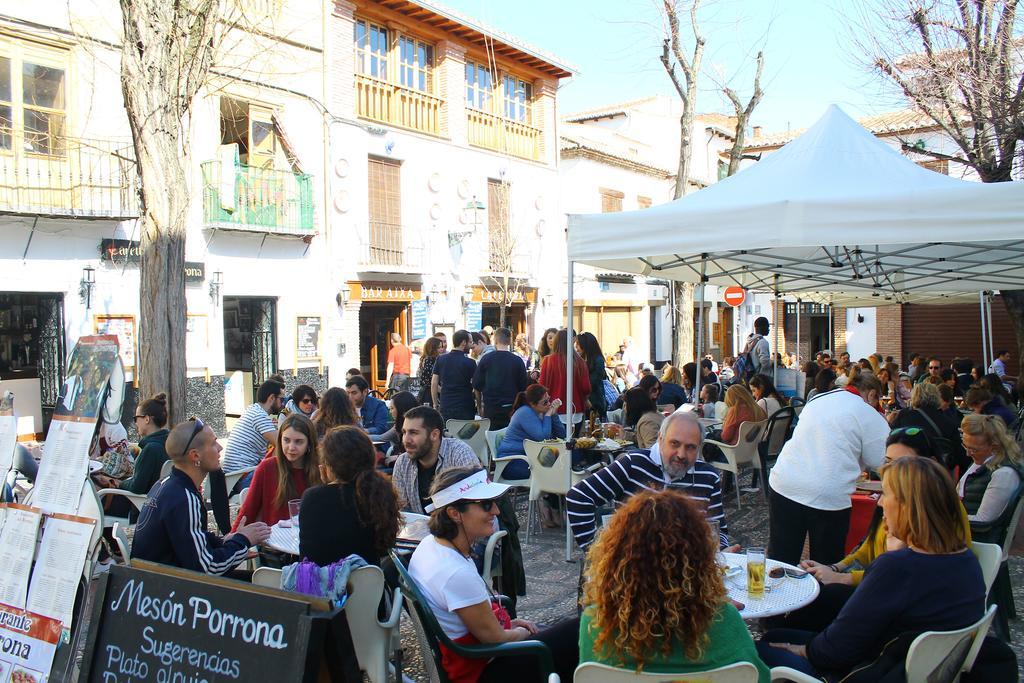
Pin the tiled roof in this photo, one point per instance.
(573, 141)
(609, 109)
(882, 124)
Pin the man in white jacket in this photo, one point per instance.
(839, 435)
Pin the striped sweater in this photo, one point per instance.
(635, 472)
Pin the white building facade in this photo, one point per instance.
(344, 159)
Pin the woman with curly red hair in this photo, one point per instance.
(655, 600)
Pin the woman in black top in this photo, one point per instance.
(357, 513)
(431, 350)
(591, 352)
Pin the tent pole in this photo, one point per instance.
(700, 336)
(991, 334)
(984, 338)
(799, 305)
(776, 323)
(831, 332)
(570, 354)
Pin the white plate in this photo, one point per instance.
(873, 486)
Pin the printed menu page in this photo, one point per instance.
(8, 442)
(62, 554)
(65, 465)
(18, 540)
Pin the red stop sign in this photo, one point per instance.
(734, 296)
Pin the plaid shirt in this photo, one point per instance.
(452, 453)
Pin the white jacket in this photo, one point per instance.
(838, 436)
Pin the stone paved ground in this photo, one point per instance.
(552, 583)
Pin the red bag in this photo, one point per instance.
(462, 669)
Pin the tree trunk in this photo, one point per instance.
(166, 56)
(1013, 299)
(683, 330)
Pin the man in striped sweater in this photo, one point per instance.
(672, 462)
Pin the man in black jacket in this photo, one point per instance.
(172, 527)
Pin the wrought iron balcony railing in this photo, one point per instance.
(67, 177)
(389, 245)
(257, 199)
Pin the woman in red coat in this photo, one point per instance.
(284, 475)
(552, 375)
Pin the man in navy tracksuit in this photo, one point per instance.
(172, 526)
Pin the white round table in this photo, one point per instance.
(780, 595)
(283, 539)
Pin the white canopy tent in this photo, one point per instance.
(836, 216)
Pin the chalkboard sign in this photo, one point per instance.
(307, 335)
(161, 624)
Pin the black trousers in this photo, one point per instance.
(499, 417)
(817, 615)
(790, 522)
(563, 639)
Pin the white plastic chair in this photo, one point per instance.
(230, 479)
(557, 478)
(267, 577)
(592, 672)
(478, 441)
(934, 656)
(490, 569)
(372, 640)
(121, 541)
(242, 495)
(990, 556)
(577, 418)
(741, 455)
(165, 469)
(494, 443)
(136, 499)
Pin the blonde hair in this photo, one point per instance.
(993, 430)
(740, 395)
(853, 371)
(925, 395)
(670, 375)
(874, 364)
(928, 508)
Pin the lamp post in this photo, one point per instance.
(215, 284)
(472, 213)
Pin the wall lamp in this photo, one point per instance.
(344, 295)
(216, 282)
(86, 286)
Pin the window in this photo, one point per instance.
(611, 200)
(479, 86)
(416, 64)
(518, 96)
(32, 102)
(251, 127)
(643, 202)
(371, 49)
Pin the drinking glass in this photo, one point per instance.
(293, 510)
(755, 572)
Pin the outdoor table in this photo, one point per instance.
(284, 539)
(863, 505)
(780, 596)
(707, 422)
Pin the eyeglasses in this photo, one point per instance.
(195, 431)
(934, 367)
(485, 505)
(138, 417)
(308, 399)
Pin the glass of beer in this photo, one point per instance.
(755, 572)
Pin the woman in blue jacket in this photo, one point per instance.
(534, 417)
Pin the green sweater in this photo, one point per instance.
(147, 466)
(728, 642)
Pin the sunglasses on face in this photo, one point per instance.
(309, 400)
(199, 426)
(934, 367)
(485, 505)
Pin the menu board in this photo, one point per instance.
(307, 335)
(122, 327)
(18, 540)
(29, 643)
(66, 541)
(204, 628)
(474, 316)
(419, 318)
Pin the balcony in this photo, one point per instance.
(387, 248)
(503, 135)
(257, 200)
(397, 105)
(67, 177)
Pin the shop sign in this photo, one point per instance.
(129, 252)
(474, 315)
(523, 295)
(29, 642)
(307, 334)
(419, 318)
(373, 292)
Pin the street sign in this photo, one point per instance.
(735, 296)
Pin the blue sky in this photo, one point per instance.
(810, 61)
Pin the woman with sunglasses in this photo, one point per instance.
(285, 475)
(988, 485)
(534, 417)
(839, 580)
(462, 511)
(151, 424)
(303, 400)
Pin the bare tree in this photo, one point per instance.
(504, 284)
(960, 63)
(166, 57)
(743, 113)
